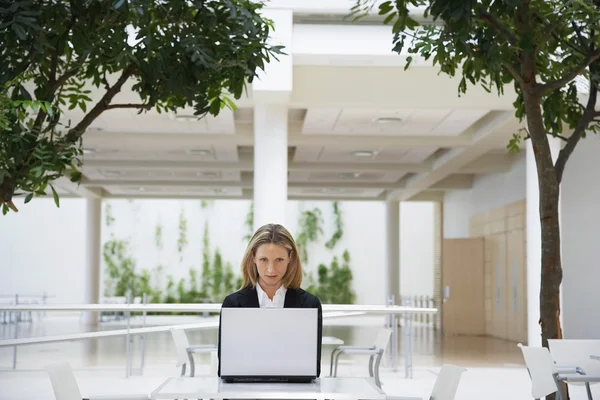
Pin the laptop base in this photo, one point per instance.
(268, 379)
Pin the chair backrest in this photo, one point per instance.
(63, 381)
(576, 353)
(382, 339)
(214, 362)
(181, 344)
(447, 382)
(541, 370)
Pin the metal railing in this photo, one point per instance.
(329, 311)
(421, 301)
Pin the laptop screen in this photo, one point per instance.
(269, 342)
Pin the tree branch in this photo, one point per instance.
(557, 84)
(487, 17)
(103, 104)
(515, 74)
(586, 118)
(130, 105)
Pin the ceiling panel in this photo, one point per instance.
(96, 174)
(204, 154)
(334, 192)
(457, 122)
(379, 155)
(172, 191)
(361, 121)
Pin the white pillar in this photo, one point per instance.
(270, 164)
(392, 246)
(271, 93)
(92, 267)
(534, 244)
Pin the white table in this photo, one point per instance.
(320, 389)
(331, 341)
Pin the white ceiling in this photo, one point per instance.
(341, 146)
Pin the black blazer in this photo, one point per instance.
(294, 298)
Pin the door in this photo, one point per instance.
(517, 284)
(500, 301)
(463, 287)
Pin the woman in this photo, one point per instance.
(272, 274)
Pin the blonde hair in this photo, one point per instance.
(276, 234)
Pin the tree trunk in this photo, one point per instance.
(551, 274)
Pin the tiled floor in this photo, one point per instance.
(495, 369)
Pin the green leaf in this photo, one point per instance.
(28, 198)
(55, 195)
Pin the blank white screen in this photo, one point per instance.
(269, 341)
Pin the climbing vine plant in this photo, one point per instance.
(333, 283)
(310, 229)
(182, 240)
(339, 226)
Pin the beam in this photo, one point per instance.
(246, 164)
(486, 134)
(78, 190)
(115, 141)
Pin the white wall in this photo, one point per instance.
(488, 192)
(42, 250)
(416, 248)
(580, 232)
(43, 247)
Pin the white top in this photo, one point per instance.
(320, 389)
(264, 301)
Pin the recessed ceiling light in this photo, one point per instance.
(198, 152)
(219, 190)
(186, 118)
(332, 190)
(349, 175)
(113, 173)
(89, 151)
(94, 129)
(207, 174)
(364, 153)
(388, 120)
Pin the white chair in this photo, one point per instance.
(375, 352)
(65, 385)
(576, 353)
(547, 378)
(185, 352)
(445, 386)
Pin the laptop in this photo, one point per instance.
(269, 344)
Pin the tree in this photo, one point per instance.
(540, 47)
(175, 53)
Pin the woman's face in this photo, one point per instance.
(271, 261)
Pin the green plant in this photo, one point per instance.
(249, 223)
(158, 239)
(204, 204)
(206, 270)
(540, 48)
(109, 219)
(310, 229)
(180, 53)
(339, 226)
(182, 239)
(334, 283)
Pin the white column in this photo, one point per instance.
(92, 252)
(534, 244)
(271, 93)
(392, 246)
(270, 164)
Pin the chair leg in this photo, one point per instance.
(337, 357)
(183, 370)
(192, 364)
(377, 362)
(589, 391)
(371, 366)
(331, 363)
